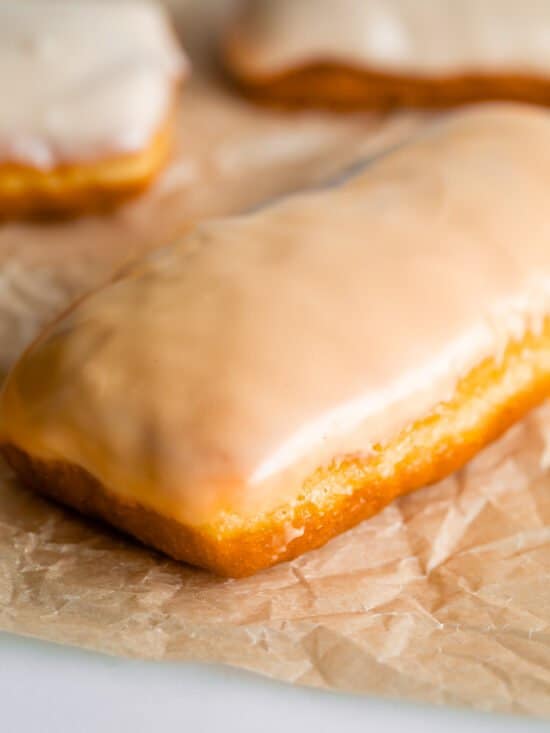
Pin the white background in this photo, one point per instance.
(46, 688)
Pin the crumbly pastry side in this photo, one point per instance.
(340, 88)
(76, 189)
(334, 498)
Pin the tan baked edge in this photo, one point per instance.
(486, 403)
(344, 87)
(79, 188)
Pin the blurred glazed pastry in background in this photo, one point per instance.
(272, 379)
(89, 92)
(388, 53)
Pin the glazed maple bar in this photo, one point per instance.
(273, 379)
(90, 90)
(375, 54)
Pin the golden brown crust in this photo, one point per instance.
(76, 189)
(341, 87)
(485, 404)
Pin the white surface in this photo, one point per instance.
(46, 688)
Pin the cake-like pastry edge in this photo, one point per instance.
(85, 187)
(341, 87)
(486, 402)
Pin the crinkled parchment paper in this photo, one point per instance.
(443, 597)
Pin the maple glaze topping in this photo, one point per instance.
(427, 38)
(84, 79)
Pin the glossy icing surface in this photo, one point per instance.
(83, 80)
(428, 38)
(221, 371)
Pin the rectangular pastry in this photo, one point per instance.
(383, 53)
(272, 379)
(89, 91)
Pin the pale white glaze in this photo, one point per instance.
(430, 38)
(83, 79)
(221, 371)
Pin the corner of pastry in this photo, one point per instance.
(273, 379)
(92, 90)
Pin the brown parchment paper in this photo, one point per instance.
(444, 597)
